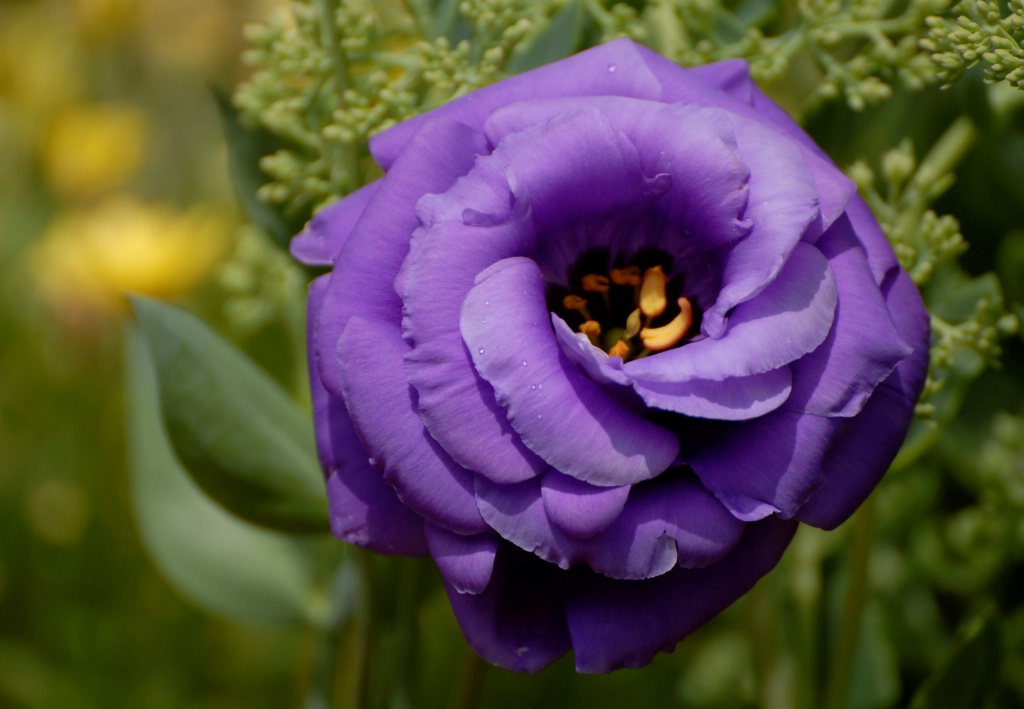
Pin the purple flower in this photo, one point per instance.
(601, 337)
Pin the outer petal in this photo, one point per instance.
(327, 231)
(561, 414)
(465, 562)
(765, 466)
(881, 258)
(518, 622)
(863, 346)
(383, 408)
(456, 406)
(664, 523)
(369, 261)
(723, 86)
(580, 509)
(862, 455)
(618, 624)
(613, 69)
(734, 399)
(364, 509)
(786, 321)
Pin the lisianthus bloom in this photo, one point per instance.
(599, 339)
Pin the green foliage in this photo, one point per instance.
(979, 31)
(224, 564)
(236, 432)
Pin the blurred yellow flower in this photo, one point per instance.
(88, 259)
(93, 148)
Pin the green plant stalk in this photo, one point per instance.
(837, 688)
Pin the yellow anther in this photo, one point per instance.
(592, 329)
(594, 283)
(658, 339)
(575, 302)
(628, 276)
(619, 349)
(652, 292)
(633, 324)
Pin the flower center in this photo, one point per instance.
(629, 310)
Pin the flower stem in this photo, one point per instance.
(837, 689)
(472, 682)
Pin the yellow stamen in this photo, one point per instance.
(594, 283)
(619, 349)
(633, 324)
(658, 339)
(652, 292)
(628, 276)
(575, 302)
(592, 329)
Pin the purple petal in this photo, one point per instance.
(765, 466)
(784, 322)
(734, 399)
(383, 409)
(863, 346)
(862, 455)
(465, 562)
(456, 406)
(881, 258)
(592, 360)
(327, 231)
(664, 523)
(617, 624)
(782, 207)
(369, 261)
(580, 509)
(705, 211)
(613, 69)
(723, 86)
(518, 622)
(363, 508)
(561, 414)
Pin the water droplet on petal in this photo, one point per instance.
(612, 68)
(487, 302)
(371, 461)
(480, 350)
(540, 416)
(533, 386)
(524, 362)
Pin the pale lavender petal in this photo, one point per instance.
(592, 360)
(613, 69)
(518, 622)
(363, 508)
(617, 624)
(465, 562)
(456, 406)
(863, 346)
(561, 415)
(782, 208)
(327, 231)
(368, 262)
(862, 455)
(383, 409)
(733, 399)
(765, 466)
(784, 322)
(580, 509)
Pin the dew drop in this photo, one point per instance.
(487, 302)
(534, 387)
(372, 461)
(524, 362)
(540, 416)
(480, 350)
(612, 68)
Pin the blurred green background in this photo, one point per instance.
(114, 177)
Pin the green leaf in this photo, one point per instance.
(246, 146)
(553, 42)
(235, 430)
(970, 673)
(220, 562)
